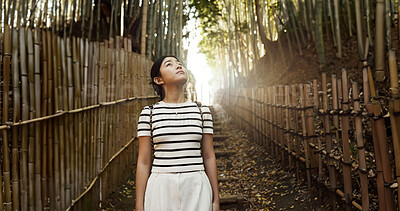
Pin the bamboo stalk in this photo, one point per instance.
(361, 150)
(38, 138)
(5, 117)
(51, 123)
(16, 116)
(287, 124)
(304, 91)
(317, 107)
(85, 61)
(77, 104)
(58, 133)
(264, 116)
(382, 198)
(274, 120)
(281, 122)
(32, 114)
(65, 145)
(71, 91)
(26, 200)
(337, 27)
(380, 40)
(345, 139)
(359, 29)
(327, 131)
(296, 143)
(335, 106)
(44, 106)
(394, 109)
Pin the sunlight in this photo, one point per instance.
(197, 63)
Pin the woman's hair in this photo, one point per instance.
(155, 72)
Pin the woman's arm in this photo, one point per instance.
(142, 170)
(210, 165)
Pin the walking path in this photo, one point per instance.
(249, 179)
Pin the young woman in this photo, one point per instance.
(183, 174)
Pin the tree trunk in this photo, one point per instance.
(359, 30)
(320, 35)
(337, 27)
(380, 40)
(268, 44)
(144, 25)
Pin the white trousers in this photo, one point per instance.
(189, 191)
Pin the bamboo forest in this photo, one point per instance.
(304, 98)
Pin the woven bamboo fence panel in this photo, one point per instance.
(69, 112)
(331, 131)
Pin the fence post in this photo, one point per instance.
(362, 167)
(346, 162)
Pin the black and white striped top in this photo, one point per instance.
(176, 137)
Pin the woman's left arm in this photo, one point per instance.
(210, 165)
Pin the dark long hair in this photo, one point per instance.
(155, 72)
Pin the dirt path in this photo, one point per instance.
(250, 179)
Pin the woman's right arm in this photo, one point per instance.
(142, 170)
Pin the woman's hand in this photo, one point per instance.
(215, 205)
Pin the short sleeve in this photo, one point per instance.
(143, 128)
(208, 121)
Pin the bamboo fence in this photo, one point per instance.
(69, 114)
(333, 131)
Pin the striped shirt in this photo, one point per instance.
(177, 135)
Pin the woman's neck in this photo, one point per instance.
(174, 95)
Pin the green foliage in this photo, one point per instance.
(208, 11)
(209, 46)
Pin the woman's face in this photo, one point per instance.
(173, 72)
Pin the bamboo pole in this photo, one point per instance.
(394, 110)
(26, 199)
(51, 123)
(44, 101)
(327, 133)
(359, 29)
(274, 121)
(254, 116)
(83, 123)
(383, 203)
(304, 131)
(346, 162)
(296, 143)
(380, 40)
(5, 117)
(144, 25)
(57, 124)
(34, 202)
(287, 125)
(362, 167)
(16, 116)
(77, 102)
(308, 136)
(337, 27)
(319, 142)
(335, 107)
(38, 138)
(65, 145)
(281, 122)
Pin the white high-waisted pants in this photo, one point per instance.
(189, 191)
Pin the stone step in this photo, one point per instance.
(222, 153)
(225, 179)
(226, 200)
(219, 137)
(217, 129)
(218, 145)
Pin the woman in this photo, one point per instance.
(183, 175)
